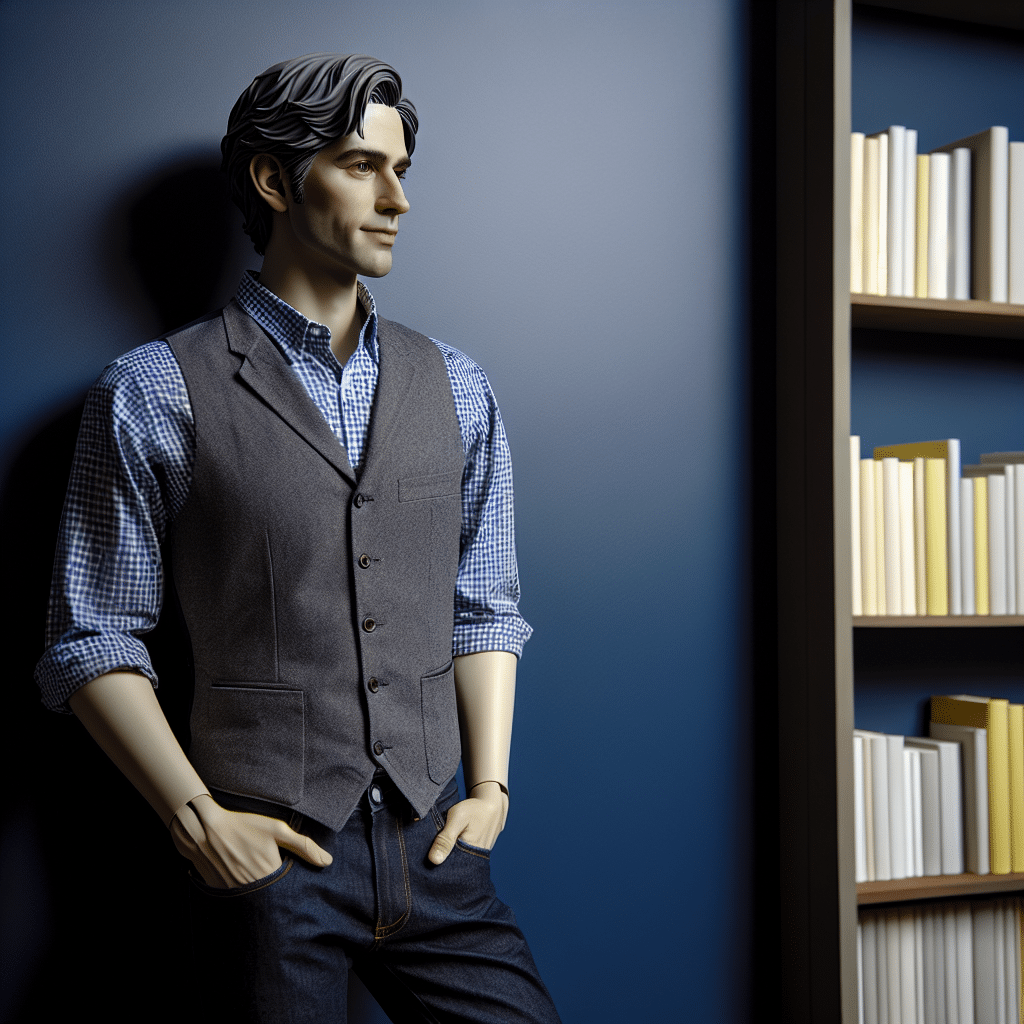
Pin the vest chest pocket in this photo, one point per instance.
(431, 485)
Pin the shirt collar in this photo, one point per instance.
(293, 332)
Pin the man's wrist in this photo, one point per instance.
(491, 782)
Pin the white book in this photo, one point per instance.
(999, 908)
(964, 964)
(897, 181)
(931, 813)
(869, 999)
(881, 816)
(872, 164)
(1013, 962)
(983, 922)
(891, 536)
(918, 965)
(857, 212)
(868, 560)
(908, 811)
(860, 835)
(951, 972)
(1015, 247)
(928, 974)
(855, 566)
(920, 564)
(908, 597)
(909, 210)
(916, 815)
(974, 779)
(1018, 530)
(997, 544)
(950, 795)
(955, 569)
(880, 573)
(960, 223)
(938, 226)
(967, 546)
(883, 213)
(860, 972)
(908, 966)
(893, 974)
(990, 184)
(938, 916)
(1014, 598)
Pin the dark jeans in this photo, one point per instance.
(432, 943)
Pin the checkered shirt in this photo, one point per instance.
(133, 469)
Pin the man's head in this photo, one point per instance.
(296, 109)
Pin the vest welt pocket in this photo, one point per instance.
(431, 485)
(252, 741)
(440, 723)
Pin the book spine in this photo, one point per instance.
(1010, 474)
(883, 214)
(1015, 216)
(967, 544)
(981, 592)
(860, 836)
(897, 146)
(999, 785)
(891, 535)
(880, 540)
(909, 211)
(908, 601)
(938, 226)
(997, 544)
(870, 230)
(855, 557)
(935, 536)
(921, 234)
(1015, 718)
(960, 224)
(857, 212)
(954, 568)
(869, 582)
(1018, 529)
(920, 587)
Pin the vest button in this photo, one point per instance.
(364, 561)
(369, 624)
(359, 501)
(378, 748)
(373, 685)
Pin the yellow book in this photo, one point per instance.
(981, 545)
(935, 536)
(921, 263)
(1017, 786)
(992, 715)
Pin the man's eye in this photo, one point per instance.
(363, 166)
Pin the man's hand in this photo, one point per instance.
(476, 820)
(231, 848)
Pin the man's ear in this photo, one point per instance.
(269, 179)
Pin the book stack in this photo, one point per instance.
(932, 537)
(946, 803)
(951, 961)
(943, 225)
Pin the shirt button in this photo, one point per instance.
(359, 499)
(373, 684)
(369, 624)
(375, 795)
(378, 748)
(364, 561)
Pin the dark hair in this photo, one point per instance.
(295, 109)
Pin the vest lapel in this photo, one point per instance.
(266, 372)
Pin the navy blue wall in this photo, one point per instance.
(577, 227)
(947, 80)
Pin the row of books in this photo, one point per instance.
(932, 537)
(952, 962)
(944, 225)
(946, 803)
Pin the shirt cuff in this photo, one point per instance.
(74, 661)
(503, 633)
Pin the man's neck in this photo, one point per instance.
(328, 301)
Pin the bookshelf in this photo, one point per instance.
(817, 909)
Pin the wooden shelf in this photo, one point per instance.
(938, 316)
(936, 621)
(903, 889)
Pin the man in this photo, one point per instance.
(334, 491)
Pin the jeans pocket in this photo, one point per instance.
(475, 851)
(250, 887)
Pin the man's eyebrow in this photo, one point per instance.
(373, 156)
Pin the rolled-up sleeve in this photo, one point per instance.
(130, 475)
(487, 614)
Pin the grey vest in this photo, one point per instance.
(319, 606)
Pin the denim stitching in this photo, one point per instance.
(386, 931)
(244, 890)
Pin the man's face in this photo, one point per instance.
(352, 197)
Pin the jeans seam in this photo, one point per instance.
(386, 931)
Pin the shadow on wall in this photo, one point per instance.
(94, 896)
